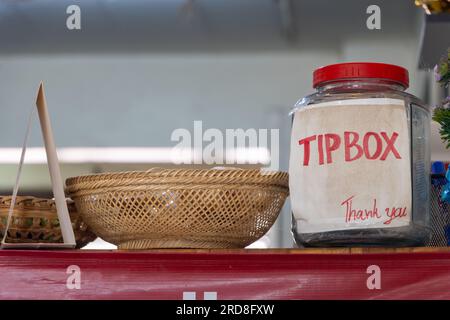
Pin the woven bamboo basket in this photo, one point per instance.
(180, 208)
(35, 220)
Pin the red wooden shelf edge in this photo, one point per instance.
(226, 274)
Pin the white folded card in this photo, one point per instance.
(55, 176)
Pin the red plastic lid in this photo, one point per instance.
(358, 70)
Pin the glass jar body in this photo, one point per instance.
(417, 231)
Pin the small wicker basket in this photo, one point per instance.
(181, 208)
(35, 220)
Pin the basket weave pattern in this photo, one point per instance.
(36, 220)
(180, 208)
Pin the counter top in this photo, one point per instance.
(356, 273)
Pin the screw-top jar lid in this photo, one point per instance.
(360, 70)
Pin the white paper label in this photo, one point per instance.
(350, 165)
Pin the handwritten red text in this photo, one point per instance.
(353, 214)
(354, 148)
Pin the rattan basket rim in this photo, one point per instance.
(157, 176)
(30, 202)
(36, 209)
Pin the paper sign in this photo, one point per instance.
(55, 176)
(350, 165)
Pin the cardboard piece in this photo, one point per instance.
(55, 176)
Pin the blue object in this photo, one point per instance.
(438, 175)
(447, 234)
(438, 167)
(441, 180)
(445, 194)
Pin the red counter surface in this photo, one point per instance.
(226, 274)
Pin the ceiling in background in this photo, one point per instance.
(32, 26)
(435, 39)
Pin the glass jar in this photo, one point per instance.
(360, 159)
